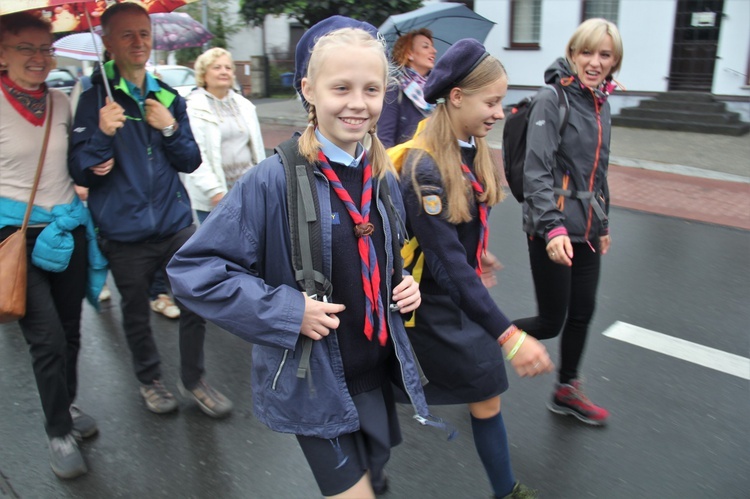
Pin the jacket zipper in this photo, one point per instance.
(389, 246)
(596, 166)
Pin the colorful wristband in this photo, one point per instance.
(507, 334)
(516, 346)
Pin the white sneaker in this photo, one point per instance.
(165, 306)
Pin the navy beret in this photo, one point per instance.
(307, 42)
(459, 60)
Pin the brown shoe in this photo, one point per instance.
(211, 401)
(158, 399)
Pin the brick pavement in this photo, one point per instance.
(670, 194)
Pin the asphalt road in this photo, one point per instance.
(678, 430)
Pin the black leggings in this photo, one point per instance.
(51, 328)
(566, 298)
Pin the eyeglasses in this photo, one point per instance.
(30, 51)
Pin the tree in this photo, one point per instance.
(310, 12)
(220, 35)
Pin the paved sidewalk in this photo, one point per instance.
(680, 174)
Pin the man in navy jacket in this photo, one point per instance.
(129, 153)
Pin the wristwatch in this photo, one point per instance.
(169, 130)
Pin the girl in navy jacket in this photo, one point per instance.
(448, 183)
(237, 272)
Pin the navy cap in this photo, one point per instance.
(458, 61)
(307, 42)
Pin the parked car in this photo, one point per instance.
(180, 78)
(61, 79)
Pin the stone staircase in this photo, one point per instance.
(683, 111)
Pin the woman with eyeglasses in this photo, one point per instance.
(61, 245)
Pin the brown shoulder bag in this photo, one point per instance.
(13, 264)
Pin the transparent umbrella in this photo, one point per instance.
(80, 46)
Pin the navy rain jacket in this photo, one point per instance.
(236, 271)
(142, 198)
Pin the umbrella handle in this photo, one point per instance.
(98, 57)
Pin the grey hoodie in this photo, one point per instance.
(582, 154)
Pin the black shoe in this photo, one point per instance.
(380, 486)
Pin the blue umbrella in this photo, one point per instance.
(448, 21)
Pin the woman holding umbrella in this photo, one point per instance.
(404, 105)
(55, 290)
(226, 128)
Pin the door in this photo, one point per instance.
(696, 36)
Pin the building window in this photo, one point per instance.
(525, 23)
(606, 9)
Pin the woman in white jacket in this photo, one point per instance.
(225, 126)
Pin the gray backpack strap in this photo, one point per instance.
(563, 107)
(583, 196)
(306, 237)
(304, 221)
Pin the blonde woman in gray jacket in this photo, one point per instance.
(225, 126)
(567, 201)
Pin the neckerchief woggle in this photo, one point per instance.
(362, 230)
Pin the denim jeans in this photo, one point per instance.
(133, 266)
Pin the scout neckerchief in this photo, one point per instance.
(362, 229)
(484, 234)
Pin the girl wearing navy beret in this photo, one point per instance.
(448, 184)
(323, 364)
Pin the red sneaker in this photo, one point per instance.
(570, 400)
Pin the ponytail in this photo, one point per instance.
(379, 159)
(308, 143)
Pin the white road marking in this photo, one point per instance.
(675, 347)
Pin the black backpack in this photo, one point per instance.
(306, 236)
(514, 137)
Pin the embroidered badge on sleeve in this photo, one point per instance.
(432, 204)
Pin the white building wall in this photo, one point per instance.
(277, 33)
(248, 42)
(647, 29)
(730, 73)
